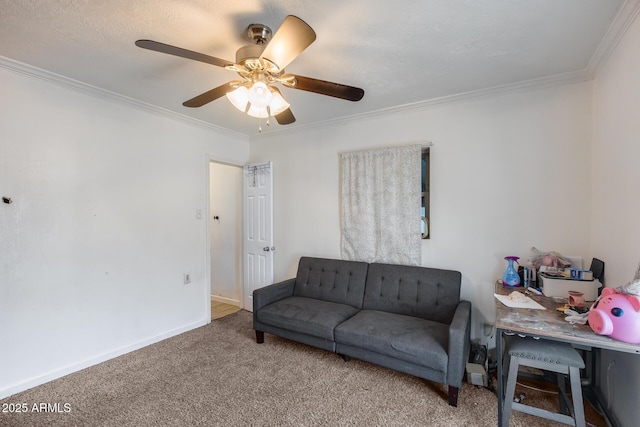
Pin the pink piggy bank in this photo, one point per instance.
(616, 315)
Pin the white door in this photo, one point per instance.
(258, 229)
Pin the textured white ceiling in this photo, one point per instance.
(399, 52)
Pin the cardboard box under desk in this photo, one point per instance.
(561, 287)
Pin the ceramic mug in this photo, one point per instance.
(576, 299)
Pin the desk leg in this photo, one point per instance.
(499, 379)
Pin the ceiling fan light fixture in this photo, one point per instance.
(260, 66)
(259, 95)
(239, 98)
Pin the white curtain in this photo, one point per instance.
(380, 195)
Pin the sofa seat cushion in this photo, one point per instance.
(411, 339)
(306, 315)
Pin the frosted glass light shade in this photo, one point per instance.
(260, 95)
(259, 112)
(278, 104)
(243, 99)
(239, 98)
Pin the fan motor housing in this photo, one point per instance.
(259, 33)
(249, 53)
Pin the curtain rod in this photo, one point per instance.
(423, 144)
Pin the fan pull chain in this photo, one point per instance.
(268, 122)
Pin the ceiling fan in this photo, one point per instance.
(260, 66)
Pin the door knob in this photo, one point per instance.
(266, 249)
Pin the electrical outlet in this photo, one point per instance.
(187, 278)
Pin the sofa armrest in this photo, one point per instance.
(459, 342)
(272, 293)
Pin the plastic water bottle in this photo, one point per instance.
(530, 277)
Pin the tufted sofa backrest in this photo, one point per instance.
(331, 280)
(428, 293)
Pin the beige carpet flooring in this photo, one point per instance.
(217, 375)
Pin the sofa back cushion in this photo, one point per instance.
(331, 280)
(428, 293)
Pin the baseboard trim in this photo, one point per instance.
(226, 300)
(59, 373)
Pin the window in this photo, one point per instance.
(380, 200)
(426, 229)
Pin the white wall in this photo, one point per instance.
(508, 172)
(616, 224)
(102, 228)
(226, 232)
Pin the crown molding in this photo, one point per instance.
(523, 86)
(76, 85)
(528, 85)
(621, 23)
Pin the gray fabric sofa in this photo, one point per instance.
(409, 319)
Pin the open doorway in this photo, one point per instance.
(225, 238)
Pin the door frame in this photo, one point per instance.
(207, 209)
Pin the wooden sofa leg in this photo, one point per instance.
(453, 396)
(345, 357)
(259, 337)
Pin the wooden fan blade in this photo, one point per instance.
(183, 53)
(209, 96)
(322, 87)
(293, 36)
(286, 117)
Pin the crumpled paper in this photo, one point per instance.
(574, 317)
